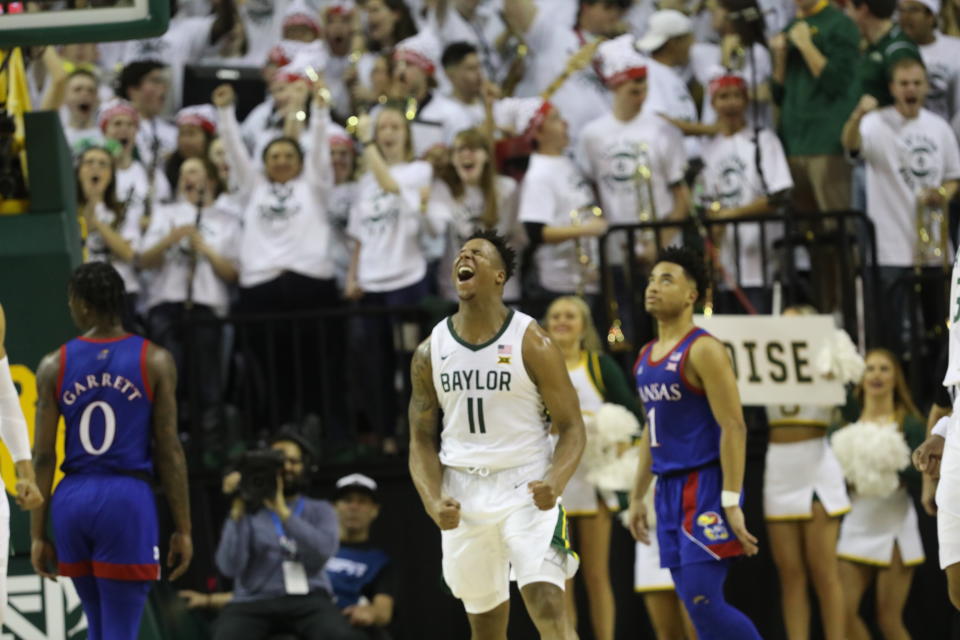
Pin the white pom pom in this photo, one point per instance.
(871, 456)
(618, 473)
(839, 359)
(616, 423)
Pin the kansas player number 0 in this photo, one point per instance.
(109, 427)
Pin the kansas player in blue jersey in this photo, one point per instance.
(116, 393)
(695, 443)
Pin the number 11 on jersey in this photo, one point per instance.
(652, 425)
(479, 415)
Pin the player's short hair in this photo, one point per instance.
(100, 286)
(508, 255)
(692, 263)
(455, 53)
(133, 74)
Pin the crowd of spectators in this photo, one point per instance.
(389, 130)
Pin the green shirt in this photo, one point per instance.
(814, 109)
(876, 64)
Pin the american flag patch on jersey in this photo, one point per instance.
(504, 351)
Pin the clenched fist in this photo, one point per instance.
(446, 513)
(543, 495)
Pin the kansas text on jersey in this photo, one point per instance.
(683, 432)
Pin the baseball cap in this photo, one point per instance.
(663, 25)
(356, 482)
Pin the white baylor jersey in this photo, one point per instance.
(493, 415)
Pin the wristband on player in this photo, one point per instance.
(729, 499)
(941, 428)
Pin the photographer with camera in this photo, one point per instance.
(275, 545)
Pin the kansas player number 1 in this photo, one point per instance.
(652, 422)
(109, 427)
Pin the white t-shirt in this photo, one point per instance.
(438, 122)
(220, 229)
(97, 250)
(553, 188)
(166, 140)
(667, 93)
(133, 186)
(389, 228)
(458, 219)
(338, 205)
(705, 59)
(286, 226)
(73, 136)
(942, 60)
(551, 45)
(902, 158)
(610, 151)
(730, 177)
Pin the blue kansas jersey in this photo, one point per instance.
(683, 432)
(107, 405)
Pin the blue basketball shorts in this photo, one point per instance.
(690, 521)
(105, 526)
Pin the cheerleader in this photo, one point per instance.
(804, 496)
(388, 267)
(880, 538)
(192, 248)
(598, 380)
(110, 230)
(470, 196)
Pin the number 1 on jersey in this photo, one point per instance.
(652, 425)
(473, 425)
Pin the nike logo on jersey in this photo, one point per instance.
(444, 357)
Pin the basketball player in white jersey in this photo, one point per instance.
(939, 455)
(493, 487)
(13, 432)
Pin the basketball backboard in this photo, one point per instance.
(43, 22)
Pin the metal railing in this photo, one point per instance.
(341, 376)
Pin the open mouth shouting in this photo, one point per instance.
(465, 273)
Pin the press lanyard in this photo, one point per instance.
(285, 542)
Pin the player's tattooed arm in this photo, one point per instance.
(44, 461)
(547, 369)
(168, 456)
(425, 467)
